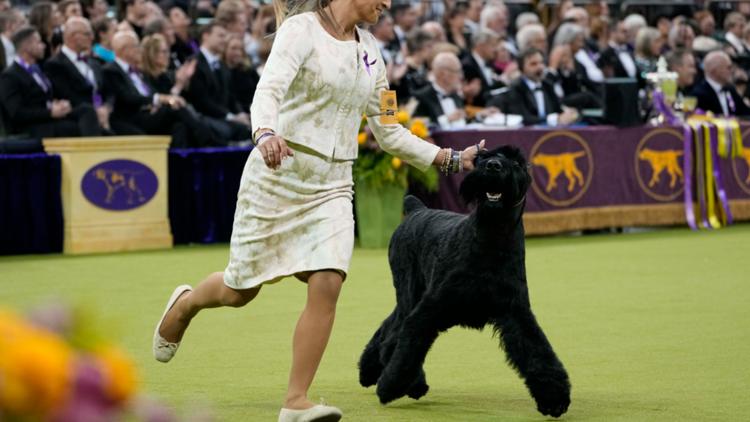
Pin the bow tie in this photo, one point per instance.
(537, 88)
(82, 58)
(726, 88)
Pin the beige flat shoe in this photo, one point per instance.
(164, 351)
(317, 413)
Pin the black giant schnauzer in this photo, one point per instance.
(451, 269)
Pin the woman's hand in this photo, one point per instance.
(469, 154)
(274, 149)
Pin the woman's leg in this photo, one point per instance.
(210, 293)
(311, 335)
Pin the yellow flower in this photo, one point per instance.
(396, 163)
(119, 373)
(403, 117)
(418, 128)
(35, 368)
(361, 138)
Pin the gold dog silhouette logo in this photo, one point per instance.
(658, 164)
(741, 166)
(119, 185)
(562, 168)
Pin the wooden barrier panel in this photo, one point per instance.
(114, 193)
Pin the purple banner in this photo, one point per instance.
(595, 167)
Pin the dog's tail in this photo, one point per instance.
(411, 204)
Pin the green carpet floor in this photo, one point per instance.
(651, 327)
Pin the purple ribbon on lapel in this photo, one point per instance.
(368, 64)
(714, 130)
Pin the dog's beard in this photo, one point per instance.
(501, 190)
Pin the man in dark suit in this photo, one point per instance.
(74, 75)
(138, 109)
(477, 66)
(440, 101)
(682, 62)
(28, 100)
(617, 61)
(209, 90)
(532, 97)
(716, 93)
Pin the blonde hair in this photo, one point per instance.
(150, 48)
(287, 8)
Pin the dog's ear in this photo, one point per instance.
(469, 189)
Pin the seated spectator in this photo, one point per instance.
(734, 23)
(648, 46)
(436, 30)
(682, 62)
(164, 27)
(94, 9)
(532, 97)
(532, 36)
(404, 20)
(616, 60)
(495, 18)
(633, 24)
(576, 85)
(455, 28)
(74, 76)
(681, 35)
(69, 9)
(440, 101)
(419, 45)
(706, 23)
(137, 108)
(526, 18)
(184, 45)
(243, 78)
(104, 29)
(28, 99)
(477, 67)
(132, 15)
(10, 21)
(716, 93)
(46, 17)
(382, 30)
(209, 87)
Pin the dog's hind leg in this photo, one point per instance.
(403, 374)
(531, 354)
(370, 365)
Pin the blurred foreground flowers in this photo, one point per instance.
(55, 367)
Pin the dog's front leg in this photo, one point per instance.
(404, 370)
(531, 354)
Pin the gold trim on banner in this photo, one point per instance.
(644, 187)
(540, 192)
(553, 222)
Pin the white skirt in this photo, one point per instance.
(291, 221)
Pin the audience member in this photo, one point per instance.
(617, 61)
(682, 62)
(706, 23)
(531, 36)
(243, 78)
(681, 35)
(104, 29)
(69, 9)
(28, 99)
(74, 76)
(734, 23)
(716, 93)
(184, 45)
(209, 90)
(419, 44)
(46, 18)
(455, 30)
(633, 24)
(94, 9)
(163, 27)
(132, 15)
(440, 101)
(436, 30)
(477, 67)
(532, 97)
(648, 47)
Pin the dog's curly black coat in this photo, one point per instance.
(451, 269)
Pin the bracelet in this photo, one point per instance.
(455, 161)
(263, 135)
(444, 166)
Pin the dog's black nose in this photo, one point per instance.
(494, 165)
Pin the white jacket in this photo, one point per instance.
(315, 88)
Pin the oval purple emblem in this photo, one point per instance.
(119, 185)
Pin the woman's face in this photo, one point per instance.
(106, 37)
(161, 58)
(370, 10)
(178, 18)
(457, 22)
(235, 52)
(57, 17)
(656, 45)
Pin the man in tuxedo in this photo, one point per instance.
(532, 97)
(616, 60)
(74, 75)
(209, 90)
(477, 66)
(404, 20)
(138, 109)
(440, 101)
(716, 93)
(28, 99)
(682, 62)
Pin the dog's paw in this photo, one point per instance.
(391, 388)
(418, 390)
(368, 375)
(552, 395)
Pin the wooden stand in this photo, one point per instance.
(114, 193)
